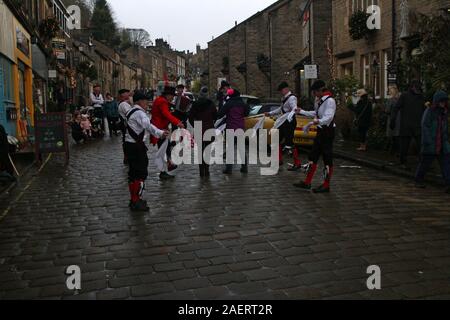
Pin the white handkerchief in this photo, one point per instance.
(219, 122)
(281, 120)
(307, 128)
(160, 159)
(259, 125)
(221, 129)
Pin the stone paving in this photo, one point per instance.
(237, 237)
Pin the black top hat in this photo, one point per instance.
(168, 90)
(224, 84)
(283, 85)
(139, 95)
(319, 84)
(122, 91)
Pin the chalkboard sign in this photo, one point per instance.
(51, 134)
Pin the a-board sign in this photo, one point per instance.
(51, 134)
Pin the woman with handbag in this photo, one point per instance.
(363, 111)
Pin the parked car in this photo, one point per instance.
(300, 137)
(251, 101)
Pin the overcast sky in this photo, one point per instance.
(185, 22)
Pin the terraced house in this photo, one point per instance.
(373, 59)
(272, 46)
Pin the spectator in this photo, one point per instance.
(5, 163)
(410, 107)
(222, 93)
(111, 108)
(77, 131)
(363, 111)
(204, 111)
(435, 140)
(393, 134)
(235, 110)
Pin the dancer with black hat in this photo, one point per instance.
(161, 118)
(182, 105)
(287, 129)
(124, 108)
(325, 111)
(137, 126)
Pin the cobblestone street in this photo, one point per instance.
(237, 237)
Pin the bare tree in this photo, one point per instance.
(139, 37)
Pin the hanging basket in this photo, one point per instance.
(358, 26)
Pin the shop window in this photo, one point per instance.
(365, 61)
(347, 69)
(362, 5)
(8, 87)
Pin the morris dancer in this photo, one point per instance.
(287, 129)
(325, 111)
(161, 118)
(137, 126)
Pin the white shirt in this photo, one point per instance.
(326, 112)
(124, 108)
(288, 106)
(138, 122)
(97, 101)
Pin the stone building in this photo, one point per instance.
(272, 46)
(369, 59)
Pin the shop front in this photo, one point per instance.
(8, 111)
(23, 84)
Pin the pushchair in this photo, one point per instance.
(96, 118)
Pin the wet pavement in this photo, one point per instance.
(232, 237)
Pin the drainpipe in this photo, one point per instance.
(271, 53)
(394, 32)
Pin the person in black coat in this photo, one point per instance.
(5, 163)
(411, 107)
(364, 112)
(204, 111)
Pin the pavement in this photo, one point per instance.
(233, 237)
(386, 161)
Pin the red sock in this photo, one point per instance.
(280, 155)
(297, 161)
(311, 173)
(327, 181)
(134, 191)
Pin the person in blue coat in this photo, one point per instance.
(435, 144)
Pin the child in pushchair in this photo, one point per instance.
(96, 122)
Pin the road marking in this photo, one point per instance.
(22, 193)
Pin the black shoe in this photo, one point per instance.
(244, 170)
(321, 189)
(295, 168)
(165, 176)
(303, 186)
(140, 206)
(420, 185)
(228, 169)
